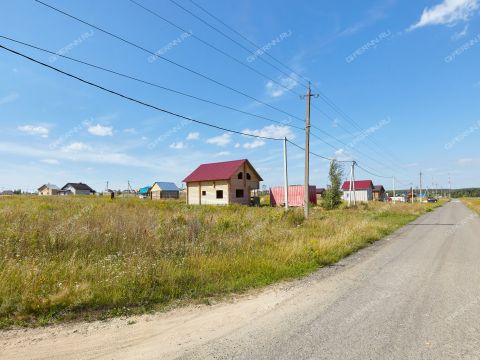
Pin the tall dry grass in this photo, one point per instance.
(472, 203)
(88, 257)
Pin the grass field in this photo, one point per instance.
(65, 258)
(472, 203)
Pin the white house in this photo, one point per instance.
(77, 189)
(363, 190)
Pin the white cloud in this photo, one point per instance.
(286, 84)
(99, 130)
(372, 16)
(237, 145)
(130, 131)
(460, 34)
(72, 153)
(273, 131)
(221, 140)
(34, 130)
(178, 145)
(193, 136)
(468, 162)
(8, 98)
(270, 131)
(449, 12)
(222, 153)
(254, 144)
(76, 147)
(342, 155)
(50, 161)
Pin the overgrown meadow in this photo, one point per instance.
(472, 203)
(64, 258)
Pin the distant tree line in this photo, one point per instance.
(469, 192)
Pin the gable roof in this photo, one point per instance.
(78, 186)
(218, 171)
(359, 185)
(144, 190)
(167, 186)
(378, 188)
(49, 186)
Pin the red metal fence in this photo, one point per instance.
(295, 195)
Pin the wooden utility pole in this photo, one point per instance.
(306, 189)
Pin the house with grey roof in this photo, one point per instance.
(164, 190)
(77, 189)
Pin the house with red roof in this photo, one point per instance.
(363, 190)
(223, 183)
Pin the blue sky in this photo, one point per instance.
(405, 72)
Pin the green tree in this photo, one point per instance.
(333, 195)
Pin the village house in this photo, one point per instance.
(164, 190)
(223, 183)
(379, 193)
(363, 190)
(48, 190)
(143, 192)
(321, 193)
(108, 192)
(76, 189)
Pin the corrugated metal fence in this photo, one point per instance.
(295, 195)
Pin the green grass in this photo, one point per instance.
(64, 258)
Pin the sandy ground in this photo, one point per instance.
(415, 294)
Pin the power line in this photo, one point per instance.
(136, 100)
(376, 175)
(161, 109)
(317, 155)
(349, 132)
(251, 68)
(150, 83)
(257, 47)
(358, 151)
(345, 116)
(324, 97)
(228, 37)
(126, 97)
(206, 77)
(168, 60)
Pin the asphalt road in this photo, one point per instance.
(414, 295)
(416, 298)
